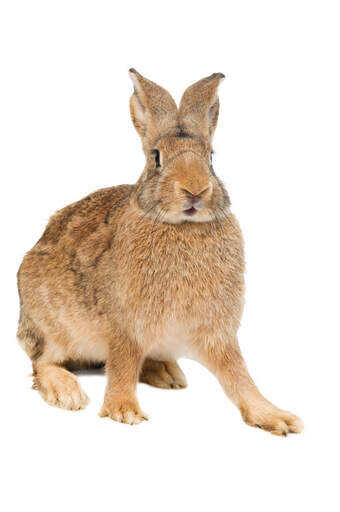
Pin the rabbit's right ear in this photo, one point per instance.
(153, 111)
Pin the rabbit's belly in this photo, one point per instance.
(173, 342)
(88, 349)
(79, 338)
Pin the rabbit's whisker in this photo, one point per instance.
(149, 210)
(225, 216)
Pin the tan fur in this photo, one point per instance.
(136, 276)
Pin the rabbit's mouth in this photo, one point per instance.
(190, 211)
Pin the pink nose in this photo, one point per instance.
(193, 198)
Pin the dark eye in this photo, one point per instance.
(157, 157)
(211, 156)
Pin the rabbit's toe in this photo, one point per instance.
(123, 412)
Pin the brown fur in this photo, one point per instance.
(137, 275)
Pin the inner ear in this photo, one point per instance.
(213, 117)
(138, 114)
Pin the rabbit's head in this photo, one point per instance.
(178, 183)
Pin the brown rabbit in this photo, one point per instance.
(136, 276)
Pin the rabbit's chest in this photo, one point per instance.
(173, 341)
(175, 281)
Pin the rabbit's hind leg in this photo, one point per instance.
(163, 374)
(58, 386)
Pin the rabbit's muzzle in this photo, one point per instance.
(194, 202)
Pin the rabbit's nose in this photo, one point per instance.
(193, 198)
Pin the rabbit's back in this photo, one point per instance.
(78, 220)
(75, 236)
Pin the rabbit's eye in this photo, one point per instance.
(211, 156)
(157, 157)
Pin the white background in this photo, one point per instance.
(66, 131)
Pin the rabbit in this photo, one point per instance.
(134, 277)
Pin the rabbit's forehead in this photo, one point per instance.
(172, 145)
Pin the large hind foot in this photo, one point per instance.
(266, 416)
(163, 374)
(59, 387)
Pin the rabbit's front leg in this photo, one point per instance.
(225, 360)
(123, 366)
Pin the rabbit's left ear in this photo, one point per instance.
(199, 107)
(153, 111)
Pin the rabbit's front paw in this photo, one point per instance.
(273, 420)
(123, 410)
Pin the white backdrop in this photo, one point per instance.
(66, 131)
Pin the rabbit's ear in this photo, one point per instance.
(153, 111)
(199, 107)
